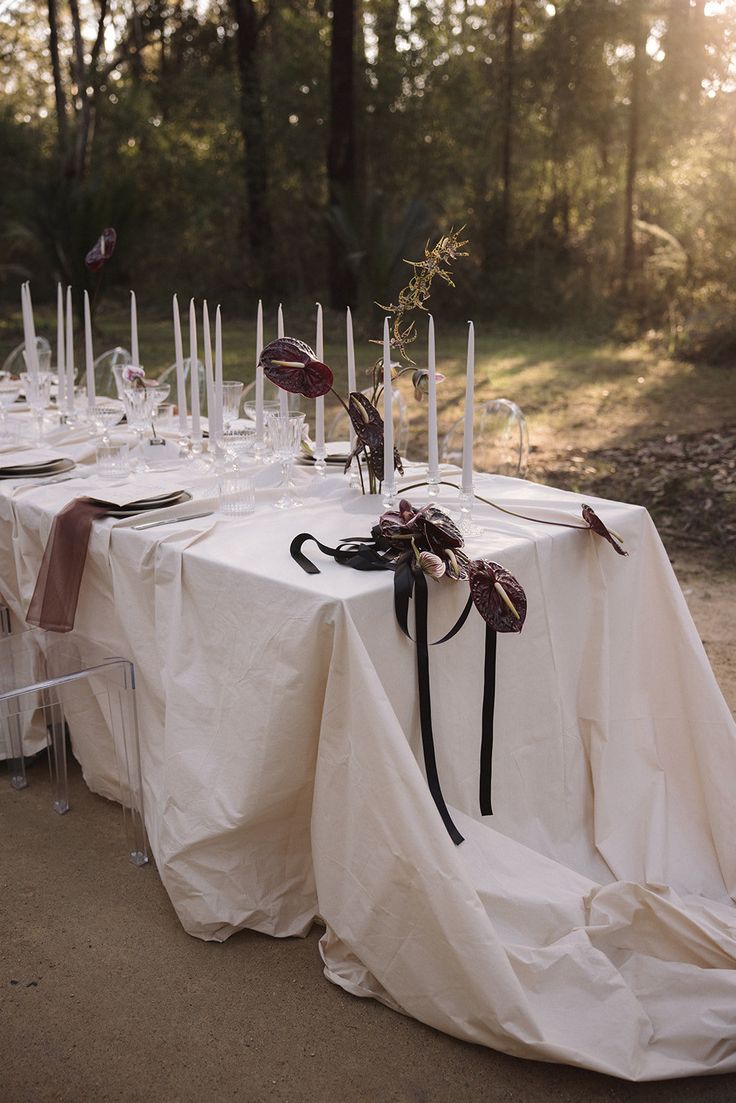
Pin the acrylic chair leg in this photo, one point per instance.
(16, 763)
(135, 828)
(57, 756)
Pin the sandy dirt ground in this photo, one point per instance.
(103, 997)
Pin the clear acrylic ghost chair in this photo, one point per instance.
(50, 681)
(109, 371)
(339, 428)
(169, 376)
(15, 363)
(500, 439)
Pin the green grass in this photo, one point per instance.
(577, 392)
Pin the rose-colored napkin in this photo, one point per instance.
(54, 602)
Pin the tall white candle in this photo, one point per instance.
(218, 373)
(259, 373)
(89, 358)
(60, 371)
(283, 396)
(319, 406)
(194, 372)
(468, 428)
(181, 390)
(351, 368)
(209, 379)
(26, 326)
(29, 333)
(134, 351)
(70, 370)
(388, 415)
(433, 465)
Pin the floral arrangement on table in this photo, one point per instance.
(292, 364)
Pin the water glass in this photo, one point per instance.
(113, 463)
(9, 391)
(38, 392)
(237, 494)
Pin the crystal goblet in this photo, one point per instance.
(286, 438)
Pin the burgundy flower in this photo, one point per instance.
(497, 595)
(368, 426)
(458, 565)
(102, 249)
(593, 520)
(439, 530)
(293, 366)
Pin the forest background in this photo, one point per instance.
(300, 149)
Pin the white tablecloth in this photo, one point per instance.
(589, 921)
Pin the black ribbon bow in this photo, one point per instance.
(370, 554)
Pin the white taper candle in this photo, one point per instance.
(389, 483)
(209, 379)
(468, 428)
(433, 465)
(259, 373)
(134, 350)
(194, 372)
(60, 349)
(351, 367)
(319, 405)
(218, 373)
(89, 359)
(70, 371)
(283, 396)
(181, 389)
(31, 349)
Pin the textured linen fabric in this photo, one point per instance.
(589, 921)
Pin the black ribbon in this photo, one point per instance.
(365, 554)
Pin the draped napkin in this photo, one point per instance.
(54, 602)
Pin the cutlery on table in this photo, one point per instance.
(172, 520)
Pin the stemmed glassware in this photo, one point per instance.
(104, 415)
(38, 392)
(9, 390)
(286, 438)
(232, 392)
(141, 404)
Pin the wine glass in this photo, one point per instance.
(103, 416)
(232, 392)
(9, 390)
(286, 438)
(37, 388)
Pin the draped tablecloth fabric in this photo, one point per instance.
(589, 921)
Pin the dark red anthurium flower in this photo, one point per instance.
(102, 249)
(593, 520)
(497, 595)
(292, 365)
(368, 426)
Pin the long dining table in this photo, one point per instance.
(589, 920)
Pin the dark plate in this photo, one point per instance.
(151, 503)
(37, 470)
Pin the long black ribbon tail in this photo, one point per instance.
(486, 741)
(425, 708)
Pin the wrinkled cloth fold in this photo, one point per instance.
(54, 602)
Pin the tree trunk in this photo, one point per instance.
(341, 148)
(62, 130)
(252, 128)
(507, 124)
(639, 40)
